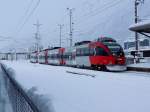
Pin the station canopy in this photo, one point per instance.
(141, 27)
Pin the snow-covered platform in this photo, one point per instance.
(142, 65)
(69, 92)
(145, 67)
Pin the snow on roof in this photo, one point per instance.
(129, 40)
(141, 48)
(141, 27)
(133, 39)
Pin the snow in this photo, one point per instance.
(5, 105)
(147, 22)
(133, 39)
(141, 26)
(106, 92)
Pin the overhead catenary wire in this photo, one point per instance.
(100, 11)
(25, 14)
(97, 9)
(95, 13)
(6, 38)
(103, 9)
(28, 17)
(25, 19)
(98, 24)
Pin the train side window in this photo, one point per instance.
(57, 56)
(73, 56)
(146, 53)
(66, 56)
(48, 56)
(60, 56)
(100, 52)
(82, 52)
(91, 51)
(105, 53)
(52, 56)
(78, 52)
(86, 51)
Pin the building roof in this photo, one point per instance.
(141, 27)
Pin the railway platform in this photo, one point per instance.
(64, 87)
(141, 67)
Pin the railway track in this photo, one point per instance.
(80, 73)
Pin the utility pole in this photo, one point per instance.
(71, 25)
(37, 36)
(137, 2)
(60, 33)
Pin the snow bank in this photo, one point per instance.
(106, 92)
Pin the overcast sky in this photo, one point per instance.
(92, 18)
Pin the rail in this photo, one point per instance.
(18, 97)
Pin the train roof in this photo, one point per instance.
(34, 52)
(82, 43)
(50, 49)
(53, 48)
(105, 39)
(141, 27)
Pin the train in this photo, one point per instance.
(101, 54)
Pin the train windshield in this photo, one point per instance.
(115, 48)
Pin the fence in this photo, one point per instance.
(18, 97)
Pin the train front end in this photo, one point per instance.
(119, 63)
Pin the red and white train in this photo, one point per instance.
(104, 54)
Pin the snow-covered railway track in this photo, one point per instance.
(127, 72)
(94, 72)
(81, 73)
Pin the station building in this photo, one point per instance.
(143, 52)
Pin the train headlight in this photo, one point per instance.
(119, 59)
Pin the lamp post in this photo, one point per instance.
(137, 2)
